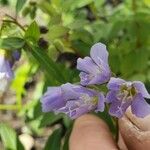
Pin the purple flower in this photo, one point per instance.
(94, 69)
(6, 73)
(73, 100)
(16, 55)
(123, 94)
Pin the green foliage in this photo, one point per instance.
(11, 43)
(19, 5)
(9, 138)
(57, 31)
(66, 139)
(33, 32)
(46, 63)
(49, 119)
(54, 140)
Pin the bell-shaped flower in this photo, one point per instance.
(73, 100)
(123, 94)
(94, 69)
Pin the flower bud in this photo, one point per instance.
(43, 30)
(43, 43)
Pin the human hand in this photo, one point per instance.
(92, 133)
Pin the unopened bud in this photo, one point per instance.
(43, 43)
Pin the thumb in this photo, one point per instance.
(135, 131)
(91, 133)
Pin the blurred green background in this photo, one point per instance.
(65, 30)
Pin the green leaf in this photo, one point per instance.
(74, 4)
(19, 5)
(138, 76)
(33, 32)
(114, 28)
(66, 139)
(66, 121)
(81, 3)
(80, 47)
(115, 63)
(9, 138)
(54, 141)
(33, 12)
(21, 76)
(82, 35)
(135, 61)
(48, 8)
(57, 31)
(50, 68)
(49, 119)
(11, 43)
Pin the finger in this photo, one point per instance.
(91, 133)
(135, 131)
(121, 143)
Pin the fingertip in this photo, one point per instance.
(90, 132)
(88, 119)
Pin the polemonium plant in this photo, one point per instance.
(123, 94)
(94, 69)
(76, 100)
(73, 100)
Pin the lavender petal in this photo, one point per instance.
(86, 65)
(111, 96)
(98, 53)
(115, 83)
(52, 99)
(100, 105)
(140, 107)
(117, 108)
(140, 87)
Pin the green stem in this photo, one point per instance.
(115, 123)
(10, 107)
(134, 5)
(16, 23)
(117, 130)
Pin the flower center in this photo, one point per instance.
(126, 93)
(87, 100)
(87, 77)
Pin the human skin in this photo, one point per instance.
(91, 133)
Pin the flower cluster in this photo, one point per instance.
(6, 64)
(76, 100)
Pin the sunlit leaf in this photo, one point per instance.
(11, 43)
(9, 138)
(57, 31)
(47, 64)
(54, 141)
(20, 4)
(49, 119)
(32, 32)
